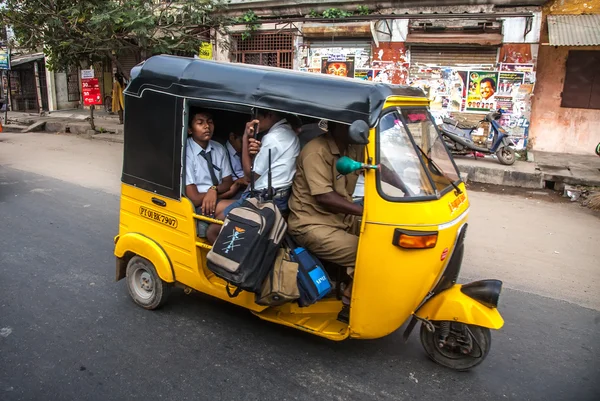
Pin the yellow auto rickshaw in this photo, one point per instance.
(412, 238)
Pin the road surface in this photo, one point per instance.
(69, 332)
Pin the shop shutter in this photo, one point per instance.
(350, 43)
(128, 60)
(449, 56)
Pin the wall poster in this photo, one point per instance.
(482, 89)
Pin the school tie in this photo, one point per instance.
(211, 168)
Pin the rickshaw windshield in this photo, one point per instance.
(414, 161)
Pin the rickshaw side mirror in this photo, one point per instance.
(359, 133)
(346, 165)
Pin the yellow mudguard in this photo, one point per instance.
(452, 305)
(143, 246)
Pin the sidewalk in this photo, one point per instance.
(546, 170)
(67, 121)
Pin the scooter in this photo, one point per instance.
(460, 142)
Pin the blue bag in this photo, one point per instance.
(313, 281)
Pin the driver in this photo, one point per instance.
(322, 214)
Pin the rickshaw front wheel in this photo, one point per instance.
(456, 345)
(145, 287)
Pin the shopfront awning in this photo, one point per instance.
(25, 58)
(574, 30)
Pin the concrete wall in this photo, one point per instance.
(62, 96)
(554, 128)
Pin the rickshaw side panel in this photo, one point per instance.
(389, 281)
(173, 228)
(151, 195)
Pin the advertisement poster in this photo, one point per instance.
(362, 74)
(4, 58)
(90, 88)
(338, 64)
(481, 95)
(458, 90)
(206, 51)
(87, 74)
(516, 67)
(509, 83)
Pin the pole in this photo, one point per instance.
(6, 95)
(9, 90)
(92, 125)
(38, 86)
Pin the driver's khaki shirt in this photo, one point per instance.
(316, 175)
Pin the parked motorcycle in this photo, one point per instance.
(459, 139)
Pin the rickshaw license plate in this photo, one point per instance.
(159, 217)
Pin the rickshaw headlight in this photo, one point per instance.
(415, 239)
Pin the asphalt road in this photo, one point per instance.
(69, 332)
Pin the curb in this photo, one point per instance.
(114, 138)
(509, 178)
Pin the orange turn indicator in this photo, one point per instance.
(415, 239)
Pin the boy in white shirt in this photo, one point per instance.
(208, 174)
(284, 144)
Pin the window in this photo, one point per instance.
(73, 84)
(152, 149)
(414, 161)
(402, 174)
(270, 49)
(582, 80)
(436, 157)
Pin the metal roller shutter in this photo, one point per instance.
(350, 43)
(128, 60)
(453, 55)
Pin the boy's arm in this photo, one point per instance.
(191, 191)
(232, 188)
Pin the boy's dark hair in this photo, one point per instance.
(294, 121)
(490, 81)
(236, 132)
(195, 111)
(265, 112)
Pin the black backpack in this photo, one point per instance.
(245, 250)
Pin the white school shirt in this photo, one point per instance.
(196, 167)
(285, 148)
(236, 162)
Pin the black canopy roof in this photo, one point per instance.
(314, 95)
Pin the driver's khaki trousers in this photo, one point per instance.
(332, 244)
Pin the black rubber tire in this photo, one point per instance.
(506, 155)
(460, 362)
(138, 269)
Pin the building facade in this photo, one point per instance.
(468, 59)
(566, 107)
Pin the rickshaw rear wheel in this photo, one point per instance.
(144, 285)
(456, 345)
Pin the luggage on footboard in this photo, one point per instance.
(281, 284)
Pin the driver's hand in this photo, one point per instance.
(209, 203)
